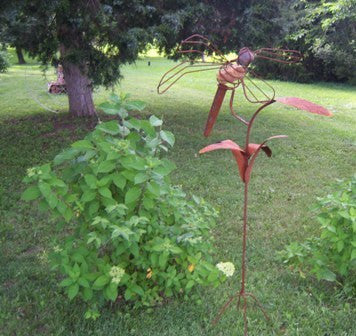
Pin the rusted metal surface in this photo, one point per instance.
(215, 108)
(305, 105)
(233, 74)
(230, 76)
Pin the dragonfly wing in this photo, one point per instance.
(256, 90)
(180, 70)
(199, 44)
(305, 105)
(286, 56)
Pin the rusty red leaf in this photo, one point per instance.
(236, 150)
(252, 148)
(305, 105)
(252, 161)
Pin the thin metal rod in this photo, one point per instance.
(244, 241)
(234, 114)
(253, 119)
(244, 238)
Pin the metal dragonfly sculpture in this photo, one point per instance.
(231, 75)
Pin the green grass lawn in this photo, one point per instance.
(318, 151)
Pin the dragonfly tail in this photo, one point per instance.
(215, 108)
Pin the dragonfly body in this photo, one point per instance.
(230, 73)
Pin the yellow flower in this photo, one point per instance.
(149, 273)
(191, 268)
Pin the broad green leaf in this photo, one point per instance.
(154, 259)
(93, 208)
(163, 258)
(104, 181)
(148, 128)
(141, 177)
(68, 214)
(167, 137)
(88, 196)
(137, 289)
(47, 193)
(66, 155)
(148, 203)
(353, 254)
(45, 189)
(165, 169)
(83, 282)
(58, 183)
(154, 188)
(129, 175)
(30, 193)
(73, 291)
(111, 291)
(121, 231)
(135, 105)
(111, 127)
(105, 192)
(61, 207)
(134, 162)
(87, 294)
(326, 275)
(101, 281)
(109, 108)
(66, 282)
(189, 284)
(134, 249)
(340, 245)
(106, 167)
(83, 144)
(90, 180)
(155, 121)
(212, 276)
(132, 195)
(128, 294)
(119, 180)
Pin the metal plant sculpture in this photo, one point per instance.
(232, 74)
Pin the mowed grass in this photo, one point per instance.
(318, 151)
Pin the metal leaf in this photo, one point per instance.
(236, 150)
(305, 105)
(252, 148)
(252, 161)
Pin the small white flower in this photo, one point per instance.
(116, 273)
(227, 268)
(57, 249)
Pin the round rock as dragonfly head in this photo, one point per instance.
(246, 56)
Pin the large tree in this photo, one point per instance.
(90, 38)
(14, 26)
(93, 38)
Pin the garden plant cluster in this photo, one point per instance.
(126, 233)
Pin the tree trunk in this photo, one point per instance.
(79, 90)
(19, 54)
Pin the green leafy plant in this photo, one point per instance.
(128, 233)
(332, 256)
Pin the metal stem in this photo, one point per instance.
(249, 126)
(244, 241)
(244, 238)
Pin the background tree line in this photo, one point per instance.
(93, 38)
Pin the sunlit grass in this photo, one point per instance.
(318, 151)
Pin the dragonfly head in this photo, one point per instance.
(245, 57)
